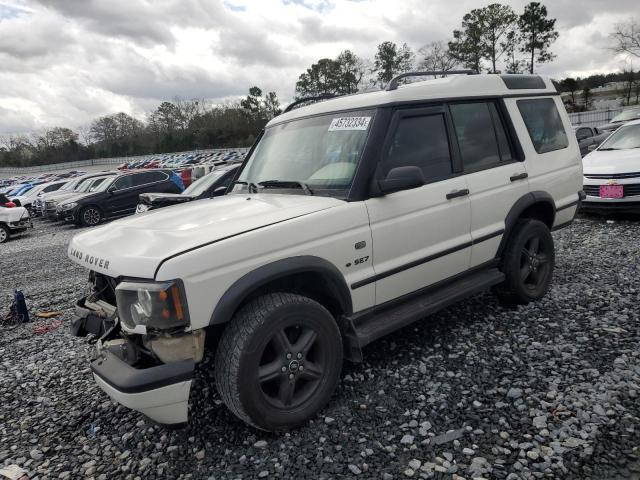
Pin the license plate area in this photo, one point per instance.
(611, 191)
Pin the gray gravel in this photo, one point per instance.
(550, 390)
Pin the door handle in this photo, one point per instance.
(519, 176)
(458, 193)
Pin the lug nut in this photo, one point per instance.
(288, 356)
(284, 369)
(299, 356)
(291, 376)
(300, 368)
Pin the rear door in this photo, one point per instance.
(420, 236)
(496, 179)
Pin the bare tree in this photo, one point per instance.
(435, 56)
(627, 38)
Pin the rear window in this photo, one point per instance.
(544, 124)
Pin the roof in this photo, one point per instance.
(455, 86)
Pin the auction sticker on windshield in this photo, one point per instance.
(349, 123)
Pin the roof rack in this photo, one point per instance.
(393, 84)
(308, 99)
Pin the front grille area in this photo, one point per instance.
(630, 190)
(612, 175)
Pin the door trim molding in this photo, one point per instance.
(420, 261)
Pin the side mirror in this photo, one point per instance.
(218, 191)
(592, 147)
(402, 178)
(111, 189)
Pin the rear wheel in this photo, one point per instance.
(90, 216)
(4, 233)
(527, 263)
(278, 361)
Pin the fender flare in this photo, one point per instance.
(520, 206)
(246, 284)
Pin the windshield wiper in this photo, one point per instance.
(608, 149)
(286, 184)
(252, 187)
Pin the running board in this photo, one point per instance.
(380, 321)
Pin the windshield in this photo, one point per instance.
(84, 185)
(623, 138)
(199, 186)
(320, 152)
(69, 185)
(626, 115)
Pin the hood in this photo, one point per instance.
(57, 196)
(612, 161)
(135, 246)
(73, 197)
(162, 198)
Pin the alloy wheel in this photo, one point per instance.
(292, 366)
(534, 262)
(91, 216)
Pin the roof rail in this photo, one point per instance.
(308, 99)
(393, 84)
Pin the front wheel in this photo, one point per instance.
(90, 216)
(527, 263)
(4, 233)
(278, 361)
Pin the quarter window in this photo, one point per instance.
(481, 136)
(544, 124)
(420, 141)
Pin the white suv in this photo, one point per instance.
(349, 218)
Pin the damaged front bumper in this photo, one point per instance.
(158, 389)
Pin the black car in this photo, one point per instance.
(588, 136)
(211, 185)
(118, 197)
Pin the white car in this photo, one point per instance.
(27, 200)
(612, 172)
(349, 219)
(13, 220)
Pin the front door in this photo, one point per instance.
(122, 194)
(420, 236)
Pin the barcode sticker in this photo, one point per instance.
(349, 123)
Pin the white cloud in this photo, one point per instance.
(64, 62)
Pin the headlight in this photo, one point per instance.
(151, 305)
(68, 206)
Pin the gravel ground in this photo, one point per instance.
(550, 390)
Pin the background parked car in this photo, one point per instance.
(118, 197)
(620, 119)
(28, 198)
(12, 221)
(48, 201)
(589, 137)
(211, 185)
(612, 172)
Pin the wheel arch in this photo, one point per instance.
(537, 205)
(308, 275)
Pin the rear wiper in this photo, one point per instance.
(286, 184)
(252, 187)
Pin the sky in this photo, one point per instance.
(67, 62)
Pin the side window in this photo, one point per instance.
(123, 182)
(544, 124)
(481, 136)
(583, 133)
(148, 177)
(420, 141)
(51, 188)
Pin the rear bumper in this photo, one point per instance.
(20, 225)
(161, 392)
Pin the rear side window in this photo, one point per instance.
(51, 188)
(420, 141)
(481, 136)
(148, 177)
(544, 124)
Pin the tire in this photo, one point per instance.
(5, 233)
(90, 216)
(527, 262)
(17, 202)
(257, 342)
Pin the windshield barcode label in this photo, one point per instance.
(349, 123)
